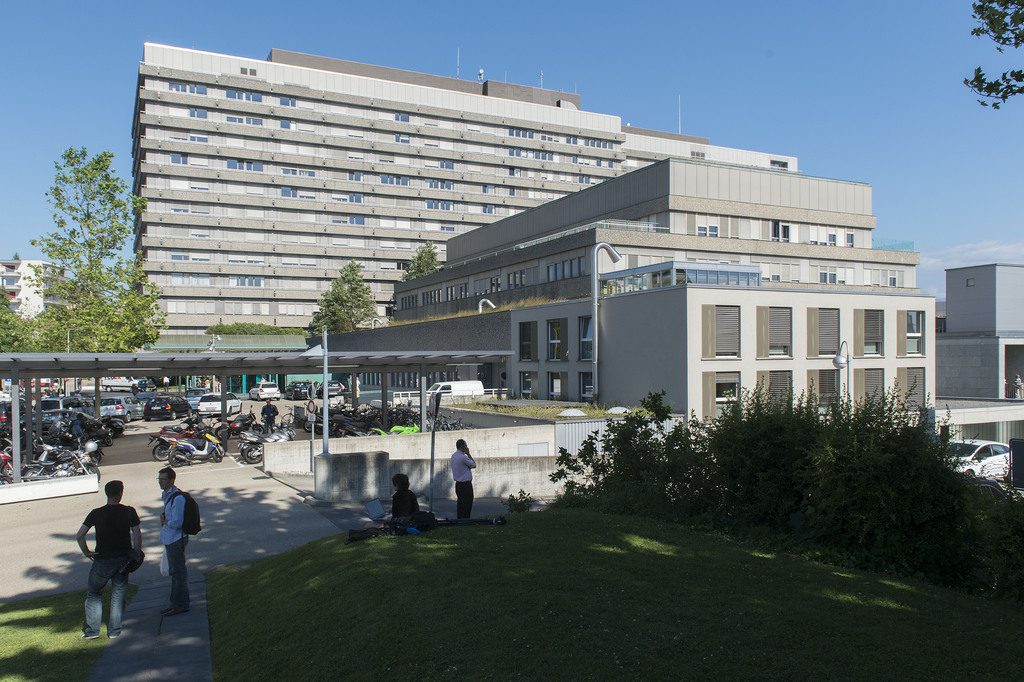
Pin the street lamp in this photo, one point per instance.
(840, 361)
(616, 257)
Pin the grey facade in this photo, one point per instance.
(981, 352)
(265, 177)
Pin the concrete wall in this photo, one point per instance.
(508, 459)
(968, 367)
(971, 308)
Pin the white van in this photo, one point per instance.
(118, 383)
(458, 389)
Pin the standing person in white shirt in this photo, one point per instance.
(462, 472)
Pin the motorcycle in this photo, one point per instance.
(60, 463)
(188, 451)
(251, 442)
(191, 427)
(241, 422)
(115, 425)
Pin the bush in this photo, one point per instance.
(867, 484)
(518, 504)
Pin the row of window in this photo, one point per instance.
(557, 347)
(721, 337)
(557, 385)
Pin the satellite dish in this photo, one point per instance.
(480, 75)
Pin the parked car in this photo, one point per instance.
(334, 389)
(298, 390)
(210, 404)
(193, 395)
(119, 383)
(166, 407)
(264, 390)
(69, 403)
(144, 396)
(984, 458)
(117, 407)
(135, 406)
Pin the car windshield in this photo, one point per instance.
(210, 399)
(193, 392)
(963, 449)
(51, 404)
(109, 401)
(268, 386)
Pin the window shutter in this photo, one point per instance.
(874, 382)
(727, 377)
(915, 386)
(780, 385)
(873, 325)
(727, 330)
(780, 326)
(828, 331)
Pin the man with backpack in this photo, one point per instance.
(177, 523)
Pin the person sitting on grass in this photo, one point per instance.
(403, 502)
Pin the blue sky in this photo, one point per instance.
(869, 91)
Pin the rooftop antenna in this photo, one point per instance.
(680, 114)
(542, 78)
(480, 76)
(458, 60)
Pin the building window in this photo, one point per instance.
(781, 165)
(439, 205)
(874, 382)
(586, 385)
(355, 198)
(488, 189)
(179, 158)
(915, 386)
(727, 331)
(849, 239)
(874, 328)
(586, 338)
(780, 332)
(526, 384)
(970, 281)
(287, 101)
(197, 113)
(915, 332)
(780, 385)
(355, 176)
(440, 184)
(290, 192)
(447, 165)
(401, 118)
(489, 209)
(554, 385)
(828, 331)
(527, 341)
(356, 220)
(828, 385)
(555, 338)
(515, 172)
(780, 232)
(401, 138)
(727, 390)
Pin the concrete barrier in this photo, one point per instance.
(508, 460)
(54, 487)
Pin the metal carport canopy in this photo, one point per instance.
(57, 365)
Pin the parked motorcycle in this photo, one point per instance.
(251, 442)
(234, 427)
(189, 451)
(190, 427)
(58, 462)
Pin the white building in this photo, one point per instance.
(265, 177)
(24, 293)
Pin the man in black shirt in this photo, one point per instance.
(117, 534)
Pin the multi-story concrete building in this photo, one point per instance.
(265, 177)
(24, 294)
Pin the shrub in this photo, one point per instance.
(519, 503)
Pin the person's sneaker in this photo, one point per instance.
(88, 636)
(114, 636)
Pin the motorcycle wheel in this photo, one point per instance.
(160, 451)
(218, 457)
(223, 434)
(253, 455)
(307, 426)
(176, 460)
(108, 440)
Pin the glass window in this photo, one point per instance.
(586, 339)
(554, 385)
(526, 384)
(555, 340)
(527, 341)
(586, 385)
(828, 385)
(727, 390)
(780, 385)
(828, 331)
(780, 331)
(727, 331)
(874, 327)
(915, 332)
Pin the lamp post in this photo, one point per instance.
(594, 284)
(840, 361)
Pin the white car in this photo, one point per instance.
(210, 404)
(264, 390)
(984, 458)
(118, 383)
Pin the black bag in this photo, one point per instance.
(422, 521)
(364, 534)
(190, 523)
(134, 561)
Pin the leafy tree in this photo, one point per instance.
(15, 333)
(1003, 22)
(424, 262)
(253, 328)
(346, 305)
(106, 301)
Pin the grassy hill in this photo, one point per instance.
(579, 595)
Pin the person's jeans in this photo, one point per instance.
(464, 497)
(179, 573)
(102, 571)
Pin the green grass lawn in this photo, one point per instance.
(575, 595)
(41, 639)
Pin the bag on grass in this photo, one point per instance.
(422, 521)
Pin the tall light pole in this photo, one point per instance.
(594, 284)
(840, 361)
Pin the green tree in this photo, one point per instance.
(253, 328)
(346, 305)
(15, 333)
(106, 302)
(424, 262)
(1003, 22)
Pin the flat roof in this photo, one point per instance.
(213, 363)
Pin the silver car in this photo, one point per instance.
(126, 409)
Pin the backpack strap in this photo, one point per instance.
(178, 493)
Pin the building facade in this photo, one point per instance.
(24, 294)
(265, 177)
